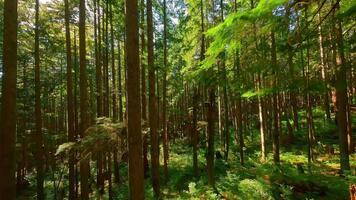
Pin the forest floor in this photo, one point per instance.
(293, 179)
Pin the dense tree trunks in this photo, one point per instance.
(153, 115)
(164, 104)
(276, 117)
(136, 177)
(84, 101)
(8, 102)
(70, 103)
(341, 97)
(38, 113)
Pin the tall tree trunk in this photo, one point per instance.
(276, 117)
(113, 70)
(38, 115)
(97, 37)
(84, 101)
(106, 63)
(164, 106)
(153, 116)
(341, 97)
(136, 177)
(70, 102)
(121, 112)
(143, 89)
(211, 151)
(261, 120)
(8, 102)
(323, 70)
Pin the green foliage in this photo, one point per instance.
(253, 189)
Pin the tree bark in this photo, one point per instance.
(70, 102)
(84, 101)
(153, 116)
(136, 178)
(38, 114)
(8, 102)
(341, 97)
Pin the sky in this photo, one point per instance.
(45, 1)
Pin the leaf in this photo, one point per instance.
(65, 147)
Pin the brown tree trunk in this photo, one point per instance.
(38, 115)
(70, 103)
(153, 116)
(276, 117)
(113, 70)
(143, 89)
(84, 101)
(210, 152)
(164, 104)
(136, 178)
(97, 37)
(8, 102)
(341, 97)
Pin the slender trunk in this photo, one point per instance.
(136, 177)
(38, 115)
(341, 97)
(164, 106)
(8, 102)
(84, 101)
(195, 135)
(323, 70)
(153, 116)
(113, 70)
(70, 102)
(97, 37)
(276, 117)
(143, 89)
(121, 112)
(210, 152)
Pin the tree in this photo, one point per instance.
(136, 178)
(8, 102)
(341, 96)
(38, 112)
(164, 106)
(70, 101)
(84, 101)
(153, 120)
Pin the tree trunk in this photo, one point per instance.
(136, 178)
(341, 97)
(153, 118)
(8, 102)
(210, 152)
(164, 106)
(84, 101)
(276, 117)
(113, 70)
(38, 115)
(97, 37)
(70, 103)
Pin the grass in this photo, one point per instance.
(292, 179)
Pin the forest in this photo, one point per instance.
(178, 99)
